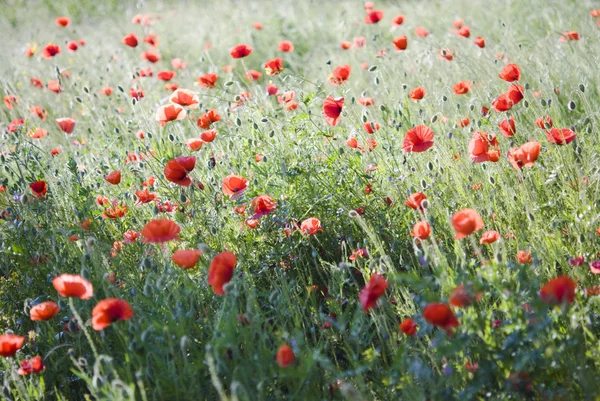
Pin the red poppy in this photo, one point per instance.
(186, 258)
(208, 118)
(9, 101)
(272, 90)
(421, 230)
(365, 101)
(332, 108)
(15, 125)
(409, 327)
(415, 201)
(285, 356)
(373, 17)
(208, 80)
(479, 41)
(177, 170)
(240, 51)
(418, 139)
(417, 94)
(285, 46)
(560, 136)
(274, 67)
(465, 222)
(178, 64)
(130, 40)
(462, 87)
(31, 366)
(145, 197)
(311, 226)
(510, 73)
(36, 82)
(38, 133)
(151, 56)
(170, 112)
(400, 42)
(515, 93)
(346, 45)
(54, 86)
(462, 297)
(420, 31)
(185, 98)
(524, 257)
(371, 127)
(441, 315)
(544, 122)
(463, 122)
(114, 177)
(63, 22)
(568, 36)
(372, 291)
(398, 20)
(507, 127)
(136, 93)
(72, 46)
(50, 50)
(489, 237)
(160, 230)
(340, 74)
(484, 147)
(524, 156)
(73, 285)
(151, 39)
(107, 91)
(464, 31)
(502, 103)
(10, 344)
(559, 290)
(109, 311)
(352, 142)
(234, 186)
(195, 143)
(39, 188)
(44, 311)
(208, 136)
(66, 124)
(263, 205)
(220, 271)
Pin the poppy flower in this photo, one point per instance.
(400, 42)
(106, 91)
(489, 237)
(466, 222)
(525, 155)
(208, 136)
(340, 74)
(560, 136)
(151, 56)
(36, 82)
(462, 297)
(72, 46)
(462, 87)
(510, 73)
(507, 127)
(73, 285)
(234, 186)
(145, 197)
(484, 147)
(39, 188)
(418, 139)
(130, 40)
(109, 311)
(372, 291)
(170, 112)
(44, 311)
(544, 122)
(240, 51)
(421, 230)
(464, 31)
(160, 230)
(63, 22)
(559, 290)
(220, 271)
(359, 42)
(479, 41)
(177, 170)
(285, 46)
(502, 103)
(398, 20)
(352, 142)
(463, 122)
(439, 314)
(274, 66)
(285, 356)
(50, 50)
(371, 127)
(409, 327)
(10, 344)
(208, 118)
(208, 80)
(420, 31)
(38, 133)
(446, 54)
(417, 94)
(366, 101)
(258, 26)
(272, 90)
(186, 258)
(332, 108)
(373, 17)
(151, 39)
(345, 45)
(15, 125)
(570, 35)
(515, 93)
(136, 93)
(114, 177)
(415, 201)
(263, 205)
(195, 143)
(524, 257)
(185, 98)
(178, 64)
(31, 366)
(311, 226)
(66, 124)
(9, 101)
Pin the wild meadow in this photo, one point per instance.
(300, 200)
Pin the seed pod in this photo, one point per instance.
(372, 68)
(434, 119)
(572, 105)
(582, 88)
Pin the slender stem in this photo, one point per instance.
(82, 326)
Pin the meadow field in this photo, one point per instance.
(300, 200)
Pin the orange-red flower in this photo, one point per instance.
(510, 73)
(507, 127)
(515, 93)
(415, 201)
(373, 17)
(479, 41)
(208, 118)
(208, 80)
(544, 122)
(208, 136)
(73, 285)
(170, 112)
(417, 94)
(441, 315)
(466, 222)
(409, 327)
(418, 139)
(220, 271)
(39, 188)
(130, 40)
(525, 155)
(113, 177)
(489, 237)
(234, 186)
(560, 136)
(274, 66)
(285, 46)
(160, 230)
(311, 226)
(186, 258)
(372, 291)
(185, 98)
(151, 56)
(10, 344)
(332, 109)
(263, 205)
(285, 356)
(240, 51)
(109, 311)
(31, 366)
(559, 290)
(50, 50)
(44, 311)
(398, 20)
(165, 75)
(421, 230)
(400, 42)
(462, 297)
(340, 74)
(462, 87)
(63, 22)
(569, 35)
(420, 31)
(66, 124)
(145, 197)
(524, 257)
(177, 170)
(484, 147)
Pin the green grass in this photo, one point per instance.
(187, 343)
